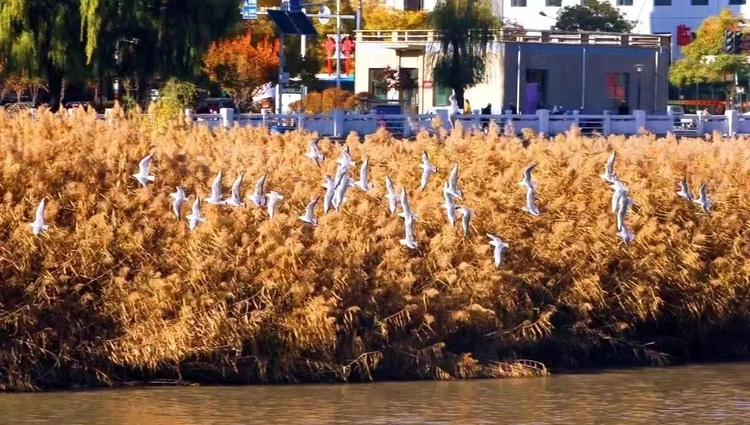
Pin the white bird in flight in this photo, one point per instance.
(526, 181)
(339, 197)
(314, 152)
(452, 110)
(609, 170)
(625, 203)
(179, 198)
(142, 176)
(620, 190)
(215, 197)
(195, 216)
(235, 199)
(531, 207)
(257, 197)
(408, 239)
(703, 200)
(273, 198)
(499, 245)
(309, 216)
(453, 182)
(38, 225)
(392, 196)
(427, 169)
(363, 176)
(685, 190)
(406, 209)
(449, 205)
(341, 171)
(330, 187)
(466, 215)
(346, 159)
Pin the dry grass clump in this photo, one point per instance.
(118, 289)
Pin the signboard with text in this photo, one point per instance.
(250, 10)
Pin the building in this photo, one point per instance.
(679, 18)
(528, 69)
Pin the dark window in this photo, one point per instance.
(554, 3)
(624, 2)
(699, 2)
(734, 2)
(413, 5)
(617, 89)
(377, 86)
(518, 3)
(662, 2)
(536, 77)
(440, 95)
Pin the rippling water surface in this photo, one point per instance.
(704, 394)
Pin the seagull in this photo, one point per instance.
(309, 216)
(392, 196)
(339, 197)
(499, 245)
(346, 160)
(526, 181)
(340, 173)
(625, 203)
(620, 190)
(465, 218)
(408, 239)
(453, 109)
(195, 217)
(685, 190)
(530, 207)
(179, 198)
(257, 197)
(626, 235)
(363, 183)
(330, 187)
(703, 200)
(449, 205)
(453, 182)
(609, 170)
(314, 152)
(38, 225)
(427, 169)
(406, 213)
(273, 198)
(143, 167)
(215, 198)
(236, 199)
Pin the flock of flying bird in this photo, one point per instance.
(336, 188)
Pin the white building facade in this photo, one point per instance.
(675, 17)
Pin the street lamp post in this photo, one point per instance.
(639, 69)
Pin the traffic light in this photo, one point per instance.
(733, 41)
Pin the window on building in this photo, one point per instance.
(662, 2)
(617, 89)
(517, 3)
(699, 2)
(377, 86)
(440, 95)
(734, 2)
(624, 2)
(413, 5)
(554, 3)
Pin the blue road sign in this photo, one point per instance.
(250, 9)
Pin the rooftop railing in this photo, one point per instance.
(523, 36)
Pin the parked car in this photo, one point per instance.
(214, 104)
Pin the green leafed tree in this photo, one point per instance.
(704, 60)
(594, 15)
(465, 35)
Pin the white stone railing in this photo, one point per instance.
(340, 124)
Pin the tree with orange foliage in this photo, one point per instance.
(240, 66)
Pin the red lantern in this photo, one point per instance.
(330, 46)
(347, 47)
(684, 36)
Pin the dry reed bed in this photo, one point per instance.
(118, 289)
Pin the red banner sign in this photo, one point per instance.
(684, 35)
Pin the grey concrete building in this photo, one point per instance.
(528, 69)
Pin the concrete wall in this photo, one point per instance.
(569, 88)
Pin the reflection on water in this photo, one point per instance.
(685, 395)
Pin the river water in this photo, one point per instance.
(702, 394)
